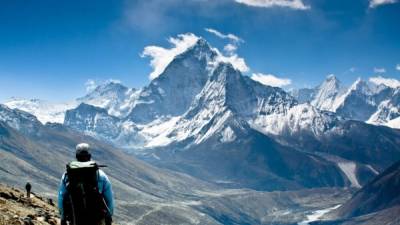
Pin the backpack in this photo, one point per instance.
(84, 204)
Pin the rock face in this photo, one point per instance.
(20, 120)
(303, 95)
(93, 120)
(111, 96)
(171, 93)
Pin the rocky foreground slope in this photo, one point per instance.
(17, 209)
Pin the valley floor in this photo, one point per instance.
(239, 206)
(230, 206)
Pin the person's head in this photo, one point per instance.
(83, 152)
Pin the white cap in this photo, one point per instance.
(82, 148)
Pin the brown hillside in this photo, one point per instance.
(17, 209)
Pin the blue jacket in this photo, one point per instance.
(104, 186)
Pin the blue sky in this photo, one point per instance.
(49, 49)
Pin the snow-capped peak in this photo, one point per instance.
(173, 91)
(214, 93)
(19, 120)
(328, 92)
(226, 88)
(360, 85)
(44, 111)
(331, 77)
(112, 96)
(216, 110)
(331, 83)
(388, 82)
(302, 117)
(357, 103)
(201, 49)
(388, 111)
(107, 89)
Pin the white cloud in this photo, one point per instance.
(379, 70)
(352, 69)
(112, 81)
(270, 80)
(161, 57)
(230, 49)
(90, 85)
(376, 3)
(231, 37)
(237, 62)
(293, 4)
(390, 82)
(398, 67)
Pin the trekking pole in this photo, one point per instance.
(108, 209)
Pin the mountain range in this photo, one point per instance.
(212, 141)
(31, 151)
(206, 119)
(374, 103)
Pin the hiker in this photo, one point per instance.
(85, 195)
(28, 188)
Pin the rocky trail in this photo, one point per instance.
(17, 209)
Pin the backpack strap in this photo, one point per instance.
(65, 179)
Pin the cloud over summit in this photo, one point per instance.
(231, 37)
(376, 3)
(161, 57)
(293, 4)
(389, 82)
(379, 70)
(271, 80)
